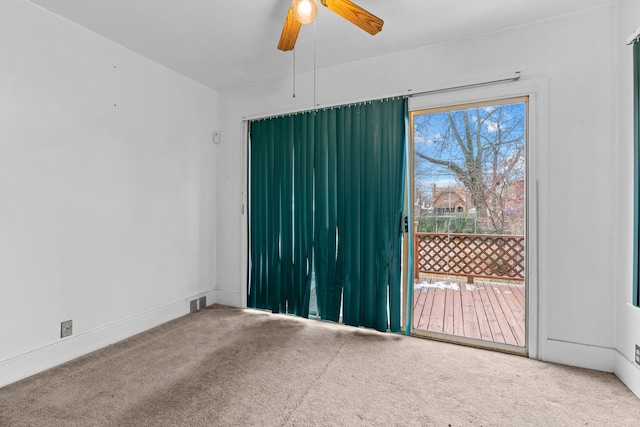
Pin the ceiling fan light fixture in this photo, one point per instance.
(304, 10)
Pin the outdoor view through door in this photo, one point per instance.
(469, 198)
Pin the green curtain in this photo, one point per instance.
(326, 195)
(636, 173)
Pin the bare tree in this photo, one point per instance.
(484, 149)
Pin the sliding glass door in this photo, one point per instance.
(469, 197)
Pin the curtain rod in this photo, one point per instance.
(513, 78)
(409, 94)
(321, 108)
(634, 37)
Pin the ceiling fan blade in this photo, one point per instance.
(290, 32)
(355, 14)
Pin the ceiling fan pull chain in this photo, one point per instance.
(294, 72)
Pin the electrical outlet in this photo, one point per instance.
(193, 306)
(637, 354)
(202, 303)
(66, 328)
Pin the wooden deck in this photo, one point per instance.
(484, 310)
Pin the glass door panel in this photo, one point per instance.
(470, 215)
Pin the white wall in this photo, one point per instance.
(576, 159)
(107, 182)
(627, 317)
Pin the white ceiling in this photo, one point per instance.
(230, 43)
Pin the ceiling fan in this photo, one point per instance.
(304, 11)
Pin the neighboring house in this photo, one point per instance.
(450, 200)
(457, 200)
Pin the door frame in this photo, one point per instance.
(537, 141)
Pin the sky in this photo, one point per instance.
(502, 127)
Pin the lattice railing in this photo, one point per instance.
(471, 255)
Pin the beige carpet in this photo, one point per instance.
(229, 367)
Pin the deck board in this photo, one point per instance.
(515, 316)
(458, 325)
(492, 315)
(436, 320)
(418, 307)
(485, 310)
(483, 322)
(428, 307)
(501, 318)
(518, 292)
(469, 314)
(449, 313)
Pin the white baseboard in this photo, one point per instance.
(579, 355)
(24, 365)
(628, 372)
(231, 298)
